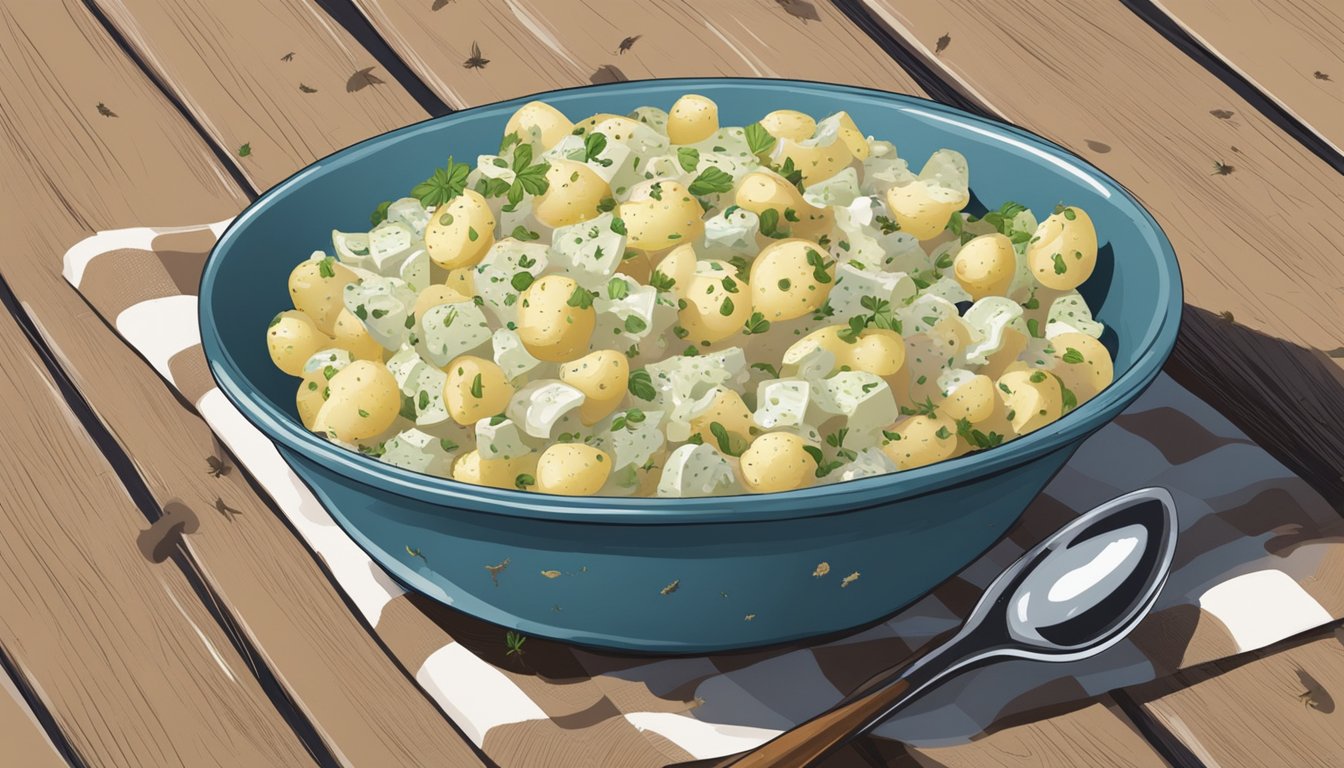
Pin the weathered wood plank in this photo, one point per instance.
(289, 83)
(540, 45)
(129, 662)
(1280, 708)
(1258, 236)
(21, 733)
(72, 171)
(1288, 49)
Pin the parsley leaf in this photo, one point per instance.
(759, 140)
(635, 324)
(521, 281)
(661, 281)
(641, 385)
(326, 267)
(1073, 356)
(477, 387)
(617, 289)
(729, 443)
(726, 308)
(756, 324)
(379, 214)
(688, 157)
(710, 181)
(523, 233)
(593, 144)
(770, 224)
(445, 184)
(581, 298)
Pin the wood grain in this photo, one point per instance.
(1258, 241)
(241, 66)
(540, 45)
(25, 741)
(1289, 49)
(72, 171)
(1283, 707)
(127, 659)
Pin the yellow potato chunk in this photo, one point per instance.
(692, 118)
(549, 121)
(789, 279)
(878, 351)
(435, 295)
(921, 440)
(776, 462)
(1033, 399)
(1063, 251)
(364, 402)
(475, 389)
(731, 413)
(553, 322)
(717, 304)
(572, 469)
(316, 287)
(460, 231)
(789, 124)
(985, 266)
(310, 397)
(572, 194)
(761, 191)
(351, 335)
(654, 224)
(923, 207)
(601, 376)
(973, 400)
(293, 338)
(1082, 364)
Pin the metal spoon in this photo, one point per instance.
(1070, 597)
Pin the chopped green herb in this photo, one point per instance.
(1060, 266)
(635, 324)
(711, 181)
(756, 324)
(443, 185)
(688, 158)
(521, 281)
(726, 308)
(477, 387)
(617, 289)
(521, 233)
(581, 298)
(791, 215)
(767, 368)
(759, 140)
(641, 385)
(769, 224)
(618, 226)
(661, 281)
(1073, 356)
(379, 214)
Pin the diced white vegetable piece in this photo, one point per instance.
(924, 312)
(389, 245)
(928, 356)
(1070, 314)
(613, 315)
(947, 287)
(510, 354)
(411, 212)
(335, 358)
(987, 319)
(539, 405)
(635, 443)
(422, 383)
(449, 330)
(606, 164)
(653, 117)
(414, 271)
(855, 240)
(948, 168)
(382, 304)
(852, 284)
(863, 398)
(352, 248)
(1039, 353)
(841, 190)
(883, 169)
(730, 234)
(419, 452)
(903, 253)
(869, 463)
(696, 470)
(685, 385)
(643, 140)
(950, 379)
(589, 251)
(782, 403)
(494, 275)
(806, 359)
(501, 440)
(494, 167)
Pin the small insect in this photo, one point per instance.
(1222, 169)
(415, 553)
(288, 56)
(224, 509)
(821, 570)
(306, 89)
(670, 588)
(104, 111)
(627, 44)
(476, 61)
(1319, 75)
(942, 43)
(514, 642)
(218, 466)
(495, 570)
(850, 579)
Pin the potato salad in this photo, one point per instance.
(655, 304)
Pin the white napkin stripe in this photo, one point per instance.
(459, 681)
(1263, 607)
(160, 328)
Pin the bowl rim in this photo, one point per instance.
(1156, 344)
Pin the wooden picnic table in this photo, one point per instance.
(140, 627)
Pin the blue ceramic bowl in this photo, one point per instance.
(733, 557)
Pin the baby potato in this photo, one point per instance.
(789, 124)
(760, 191)
(679, 264)
(692, 118)
(789, 279)
(923, 440)
(550, 121)
(817, 163)
(973, 401)
(467, 468)
(601, 376)
(293, 338)
(1063, 251)
(351, 335)
(1033, 399)
(496, 473)
(776, 462)
(985, 266)
(730, 412)
(312, 394)
(572, 469)
(316, 287)
(552, 321)
(364, 401)
(923, 207)
(877, 351)
(850, 134)
(572, 195)
(716, 303)
(1082, 364)
(462, 280)
(435, 295)
(475, 389)
(652, 225)
(460, 231)
(827, 338)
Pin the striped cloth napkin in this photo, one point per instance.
(1261, 557)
